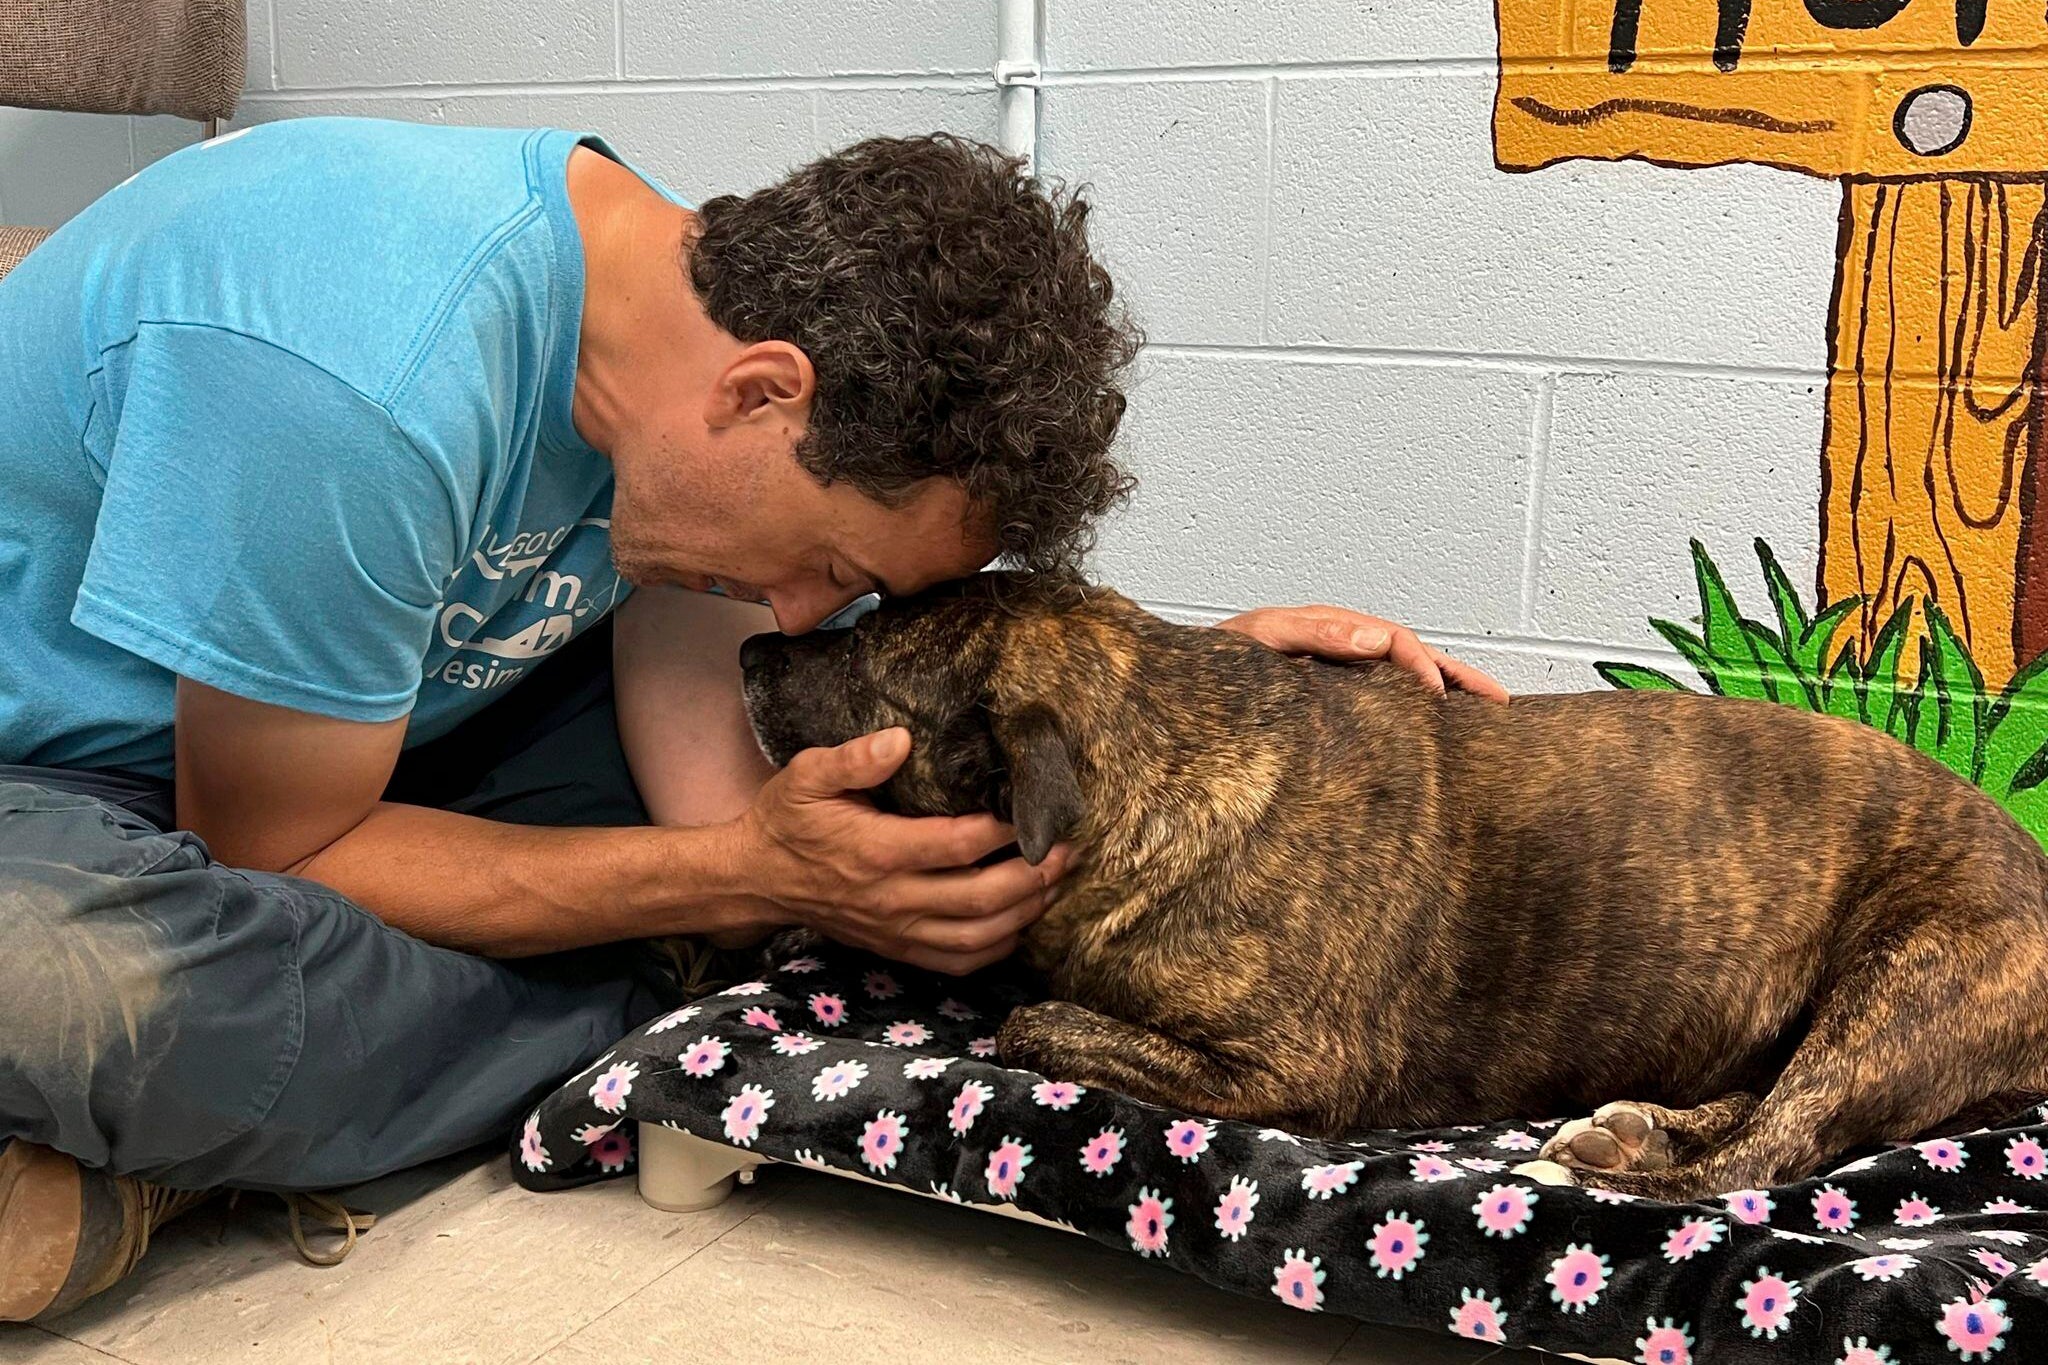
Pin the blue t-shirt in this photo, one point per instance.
(288, 413)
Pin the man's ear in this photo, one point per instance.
(766, 374)
(1045, 795)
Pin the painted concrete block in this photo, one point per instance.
(1524, 669)
(1639, 464)
(54, 164)
(157, 137)
(1398, 490)
(1392, 227)
(258, 77)
(1532, 667)
(473, 111)
(323, 43)
(1178, 174)
(847, 116)
(687, 38)
(700, 142)
(1082, 35)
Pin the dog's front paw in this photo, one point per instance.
(1619, 1137)
(1026, 1039)
(785, 944)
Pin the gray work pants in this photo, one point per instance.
(197, 1025)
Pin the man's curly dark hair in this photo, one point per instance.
(955, 320)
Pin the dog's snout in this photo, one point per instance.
(754, 650)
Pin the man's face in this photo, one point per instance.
(731, 507)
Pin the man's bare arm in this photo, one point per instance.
(682, 719)
(682, 722)
(284, 791)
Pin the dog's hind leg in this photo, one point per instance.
(1068, 1042)
(1996, 1109)
(1919, 1029)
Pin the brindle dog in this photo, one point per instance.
(1318, 897)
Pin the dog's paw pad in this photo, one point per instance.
(1544, 1173)
(1599, 1149)
(1628, 1123)
(1619, 1137)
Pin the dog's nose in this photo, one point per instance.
(754, 650)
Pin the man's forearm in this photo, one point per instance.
(518, 890)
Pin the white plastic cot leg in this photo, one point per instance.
(682, 1173)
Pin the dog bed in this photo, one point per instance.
(841, 1062)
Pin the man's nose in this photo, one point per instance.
(754, 649)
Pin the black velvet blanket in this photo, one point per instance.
(1926, 1253)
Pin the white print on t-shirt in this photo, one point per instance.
(526, 550)
(559, 596)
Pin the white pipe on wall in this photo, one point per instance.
(1017, 24)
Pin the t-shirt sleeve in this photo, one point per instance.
(266, 530)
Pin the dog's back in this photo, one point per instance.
(1478, 910)
(1664, 879)
(1573, 898)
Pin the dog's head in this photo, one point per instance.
(951, 666)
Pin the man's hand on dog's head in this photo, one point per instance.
(1344, 636)
(819, 854)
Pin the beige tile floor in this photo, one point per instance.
(465, 1266)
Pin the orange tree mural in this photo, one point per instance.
(1933, 114)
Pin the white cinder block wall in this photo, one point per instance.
(1381, 372)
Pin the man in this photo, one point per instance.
(331, 451)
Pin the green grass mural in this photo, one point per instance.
(1998, 742)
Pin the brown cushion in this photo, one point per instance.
(183, 57)
(15, 243)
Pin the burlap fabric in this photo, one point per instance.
(15, 243)
(183, 57)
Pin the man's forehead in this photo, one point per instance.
(939, 533)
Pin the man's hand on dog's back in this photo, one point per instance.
(1341, 635)
(899, 886)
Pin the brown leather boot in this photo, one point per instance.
(69, 1231)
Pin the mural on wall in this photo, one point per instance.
(1930, 617)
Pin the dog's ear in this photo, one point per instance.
(1045, 794)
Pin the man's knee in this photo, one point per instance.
(95, 906)
(199, 1025)
(82, 973)
(89, 894)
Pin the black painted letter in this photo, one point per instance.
(1728, 31)
(1969, 20)
(1856, 13)
(1728, 36)
(1621, 39)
